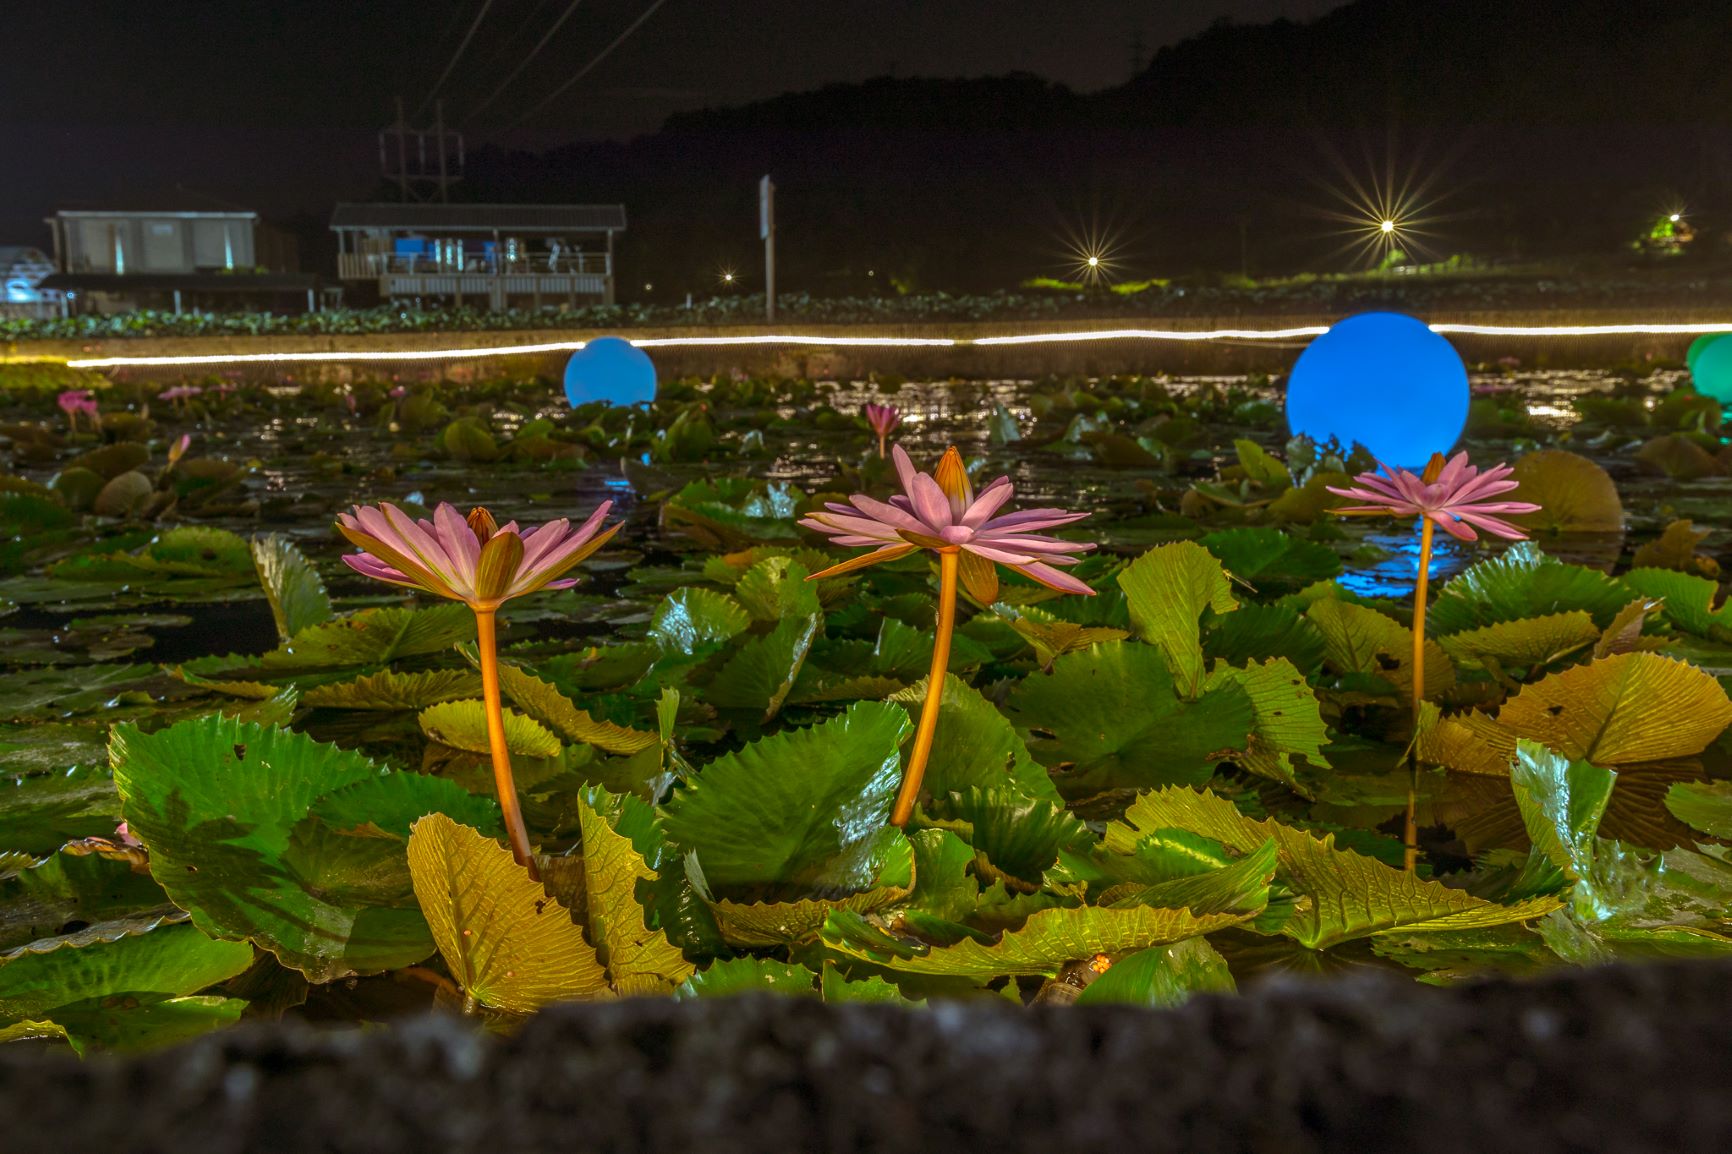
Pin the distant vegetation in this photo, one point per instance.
(1045, 298)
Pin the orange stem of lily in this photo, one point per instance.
(949, 564)
(881, 446)
(1410, 835)
(487, 641)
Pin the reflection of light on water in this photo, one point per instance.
(1396, 575)
(1562, 414)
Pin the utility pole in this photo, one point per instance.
(767, 231)
(402, 154)
(439, 134)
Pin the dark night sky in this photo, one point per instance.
(275, 106)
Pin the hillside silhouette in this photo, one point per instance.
(1524, 128)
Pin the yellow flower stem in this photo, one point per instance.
(881, 446)
(949, 564)
(1410, 836)
(487, 641)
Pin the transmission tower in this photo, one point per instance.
(422, 162)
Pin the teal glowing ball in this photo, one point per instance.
(1383, 380)
(610, 369)
(1698, 346)
(1712, 372)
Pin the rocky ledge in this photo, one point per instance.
(1612, 1059)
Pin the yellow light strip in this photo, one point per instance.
(825, 341)
(1580, 330)
(1156, 335)
(791, 339)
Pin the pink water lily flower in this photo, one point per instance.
(75, 401)
(941, 511)
(180, 393)
(1458, 501)
(473, 559)
(883, 419)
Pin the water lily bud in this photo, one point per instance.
(482, 524)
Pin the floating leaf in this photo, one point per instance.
(142, 960)
(760, 675)
(1271, 561)
(1532, 641)
(639, 960)
(219, 803)
(1574, 494)
(371, 637)
(391, 690)
(1052, 638)
(776, 587)
(1342, 895)
(1357, 639)
(463, 725)
(1240, 886)
(1019, 837)
(132, 1023)
(975, 746)
(693, 619)
(1288, 722)
(297, 597)
(1162, 976)
(794, 923)
(1634, 707)
(42, 898)
(1041, 948)
(40, 810)
(507, 944)
(1111, 719)
(1523, 582)
(1256, 632)
(1688, 601)
(803, 807)
(1703, 805)
(1675, 548)
(732, 976)
(541, 701)
(1562, 802)
(1168, 589)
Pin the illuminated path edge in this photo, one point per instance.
(476, 353)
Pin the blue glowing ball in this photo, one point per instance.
(1384, 380)
(1698, 346)
(610, 369)
(1712, 372)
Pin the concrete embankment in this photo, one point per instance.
(1094, 357)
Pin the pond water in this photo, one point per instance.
(306, 455)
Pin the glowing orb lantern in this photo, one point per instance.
(610, 369)
(1712, 371)
(1384, 380)
(1698, 346)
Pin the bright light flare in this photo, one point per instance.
(1384, 213)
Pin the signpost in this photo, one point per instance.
(767, 231)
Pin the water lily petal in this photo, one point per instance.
(877, 557)
(1054, 579)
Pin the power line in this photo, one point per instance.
(524, 63)
(505, 50)
(455, 57)
(586, 69)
